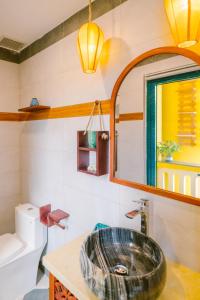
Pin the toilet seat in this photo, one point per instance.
(10, 246)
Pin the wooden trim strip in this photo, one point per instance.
(71, 111)
(131, 117)
(6, 116)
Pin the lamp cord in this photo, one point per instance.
(90, 11)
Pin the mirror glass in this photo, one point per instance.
(157, 125)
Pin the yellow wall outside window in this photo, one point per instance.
(168, 99)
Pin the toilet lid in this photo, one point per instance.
(10, 246)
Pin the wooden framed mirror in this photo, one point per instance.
(155, 124)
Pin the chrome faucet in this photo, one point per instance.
(143, 210)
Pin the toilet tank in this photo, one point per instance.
(28, 226)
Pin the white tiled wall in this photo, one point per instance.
(48, 148)
(9, 174)
(9, 146)
(9, 86)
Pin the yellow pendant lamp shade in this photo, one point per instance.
(184, 19)
(90, 44)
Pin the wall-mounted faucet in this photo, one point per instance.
(143, 210)
(50, 218)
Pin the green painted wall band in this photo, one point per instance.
(9, 55)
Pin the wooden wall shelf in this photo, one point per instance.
(83, 154)
(34, 108)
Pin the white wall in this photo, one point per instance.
(9, 146)
(49, 147)
(9, 86)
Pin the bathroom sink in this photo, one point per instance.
(123, 264)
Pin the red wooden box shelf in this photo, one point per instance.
(83, 153)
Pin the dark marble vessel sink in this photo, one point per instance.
(123, 264)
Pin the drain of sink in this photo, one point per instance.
(120, 270)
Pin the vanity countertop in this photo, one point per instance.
(63, 263)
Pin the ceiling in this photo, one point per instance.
(27, 20)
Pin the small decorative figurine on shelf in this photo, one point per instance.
(34, 102)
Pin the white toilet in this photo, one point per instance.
(20, 253)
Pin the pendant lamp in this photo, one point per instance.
(90, 44)
(184, 20)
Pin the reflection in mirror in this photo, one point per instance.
(157, 125)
